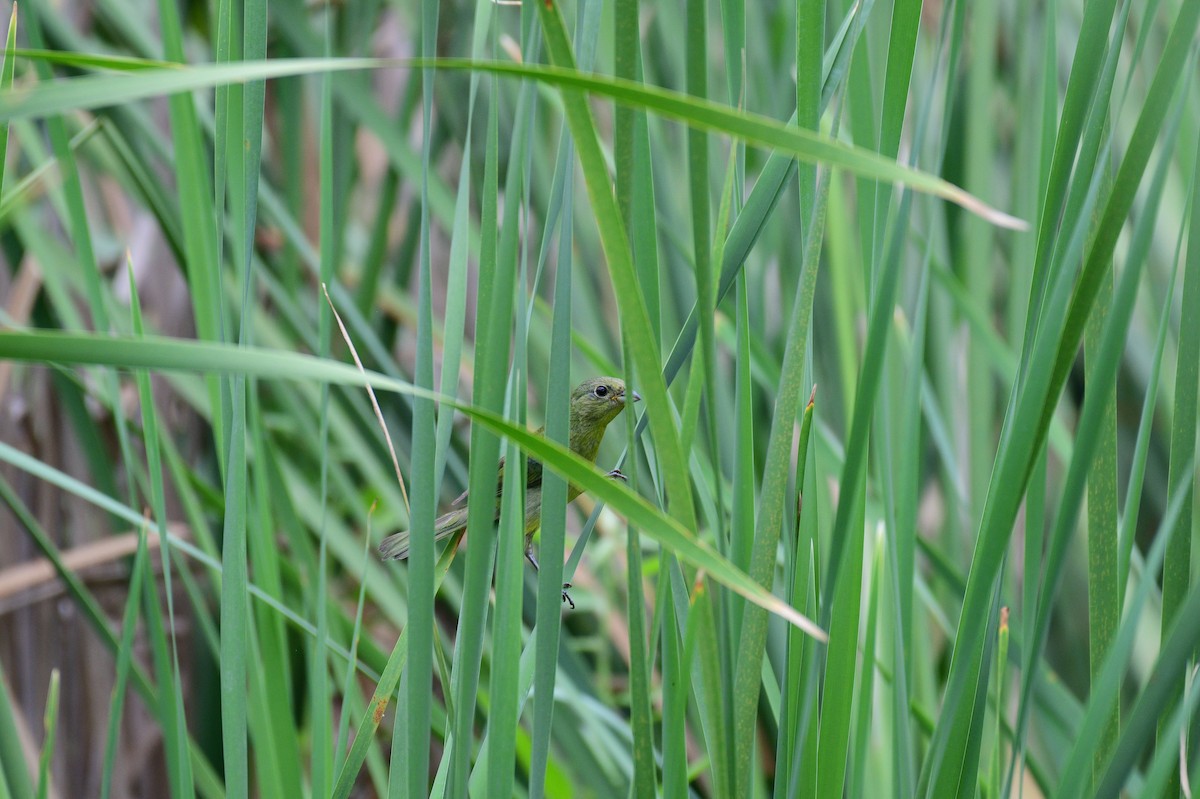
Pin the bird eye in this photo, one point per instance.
(601, 391)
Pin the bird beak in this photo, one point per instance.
(636, 396)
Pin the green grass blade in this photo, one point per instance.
(385, 690)
(769, 520)
(413, 717)
(1177, 578)
(51, 727)
(7, 70)
(548, 624)
(320, 695)
(83, 93)
(493, 303)
(504, 685)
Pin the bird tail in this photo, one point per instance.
(395, 546)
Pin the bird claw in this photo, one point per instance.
(617, 475)
(565, 596)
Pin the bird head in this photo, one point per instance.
(596, 402)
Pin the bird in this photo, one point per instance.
(594, 404)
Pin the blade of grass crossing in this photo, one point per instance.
(763, 131)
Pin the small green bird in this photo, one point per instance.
(594, 403)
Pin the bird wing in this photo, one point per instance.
(533, 479)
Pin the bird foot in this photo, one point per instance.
(617, 475)
(567, 597)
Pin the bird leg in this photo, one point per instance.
(529, 556)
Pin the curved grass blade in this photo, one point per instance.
(94, 91)
(185, 355)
